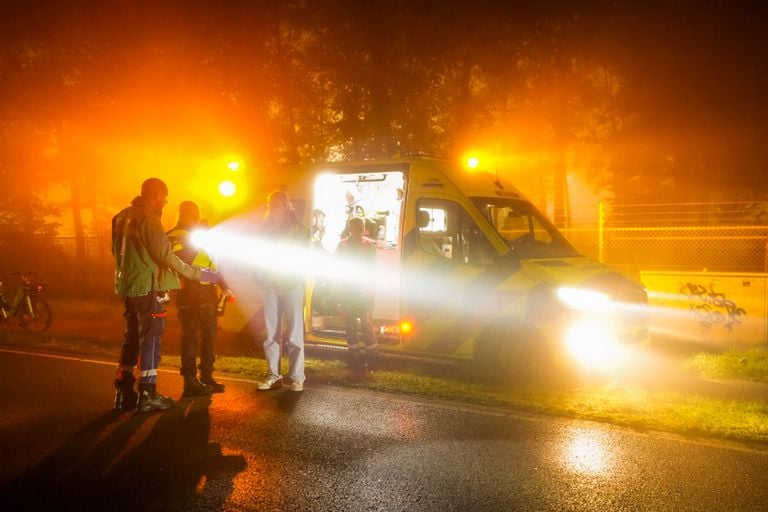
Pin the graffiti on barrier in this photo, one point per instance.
(711, 308)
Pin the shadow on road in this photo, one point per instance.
(158, 461)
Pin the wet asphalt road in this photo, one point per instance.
(335, 449)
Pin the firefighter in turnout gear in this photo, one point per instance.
(196, 304)
(356, 295)
(145, 270)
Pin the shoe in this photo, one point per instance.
(297, 385)
(208, 380)
(153, 401)
(125, 396)
(270, 382)
(193, 387)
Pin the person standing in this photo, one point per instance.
(196, 303)
(145, 270)
(283, 289)
(356, 295)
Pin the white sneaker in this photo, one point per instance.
(297, 385)
(270, 382)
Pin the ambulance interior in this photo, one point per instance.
(378, 198)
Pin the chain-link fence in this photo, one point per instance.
(730, 237)
(89, 268)
(717, 237)
(682, 248)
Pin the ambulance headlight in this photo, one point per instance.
(584, 300)
(590, 335)
(592, 342)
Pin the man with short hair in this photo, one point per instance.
(145, 270)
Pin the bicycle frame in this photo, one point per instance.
(27, 306)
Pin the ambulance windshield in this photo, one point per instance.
(527, 232)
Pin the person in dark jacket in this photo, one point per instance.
(196, 304)
(356, 295)
(145, 270)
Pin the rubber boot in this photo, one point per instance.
(193, 387)
(207, 379)
(125, 395)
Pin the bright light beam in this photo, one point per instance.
(280, 258)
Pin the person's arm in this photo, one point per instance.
(159, 247)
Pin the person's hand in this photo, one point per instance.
(230, 296)
(209, 276)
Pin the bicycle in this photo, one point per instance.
(28, 310)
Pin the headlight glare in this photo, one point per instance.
(584, 300)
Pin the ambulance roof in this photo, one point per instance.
(432, 170)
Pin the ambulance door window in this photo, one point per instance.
(434, 237)
(447, 231)
(475, 247)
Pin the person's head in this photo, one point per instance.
(189, 214)
(356, 227)
(155, 193)
(278, 205)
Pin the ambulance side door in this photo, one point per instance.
(448, 266)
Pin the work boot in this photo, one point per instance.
(125, 395)
(207, 379)
(193, 387)
(372, 360)
(150, 400)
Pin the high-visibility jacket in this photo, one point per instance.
(144, 259)
(192, 293)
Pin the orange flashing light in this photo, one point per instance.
(406, 327)
(227, 188)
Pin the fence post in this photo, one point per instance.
(765, 256)
(600, 232)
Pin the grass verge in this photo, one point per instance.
(749, 364)
(623, 405)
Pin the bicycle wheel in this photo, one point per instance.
(42, 318)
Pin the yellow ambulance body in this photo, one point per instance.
(466, 268)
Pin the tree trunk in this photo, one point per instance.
(77, 219)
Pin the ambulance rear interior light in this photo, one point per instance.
(364, 178)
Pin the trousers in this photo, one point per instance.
(284, 302)
(198, 335)
(144, 326)
(358, 309)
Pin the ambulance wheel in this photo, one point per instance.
(512, 356)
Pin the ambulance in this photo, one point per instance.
(467, 268)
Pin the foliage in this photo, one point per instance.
(625, 95)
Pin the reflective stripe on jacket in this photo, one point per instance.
(144, 260)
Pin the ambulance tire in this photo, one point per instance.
(512, 355)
